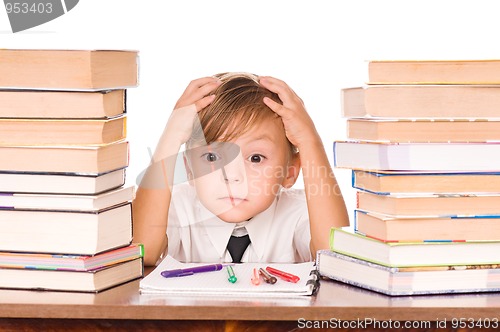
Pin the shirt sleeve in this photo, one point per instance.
(297, 206)
(176, 216)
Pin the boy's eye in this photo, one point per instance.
(210, 157)
(256, 158)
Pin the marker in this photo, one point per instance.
(267, 277)
(255, 277)
(191, 270)
(230, 272)
(283, 275)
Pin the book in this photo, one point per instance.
(434, 72)
(66, 202)
(44, 69)
(66, 232)
(394, 228)
(400, 130)
(65, 183)
(439, 157)
(415, 204)
(65, 159)
(216, 282)
(408, 281)
(421, 101)
(72, 281)
(62, 104)
(408, 254)
(385, 182)
(17, 132)
(13, 260)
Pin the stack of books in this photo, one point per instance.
(65, 214)
(424, 137)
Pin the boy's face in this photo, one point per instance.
(236, 180)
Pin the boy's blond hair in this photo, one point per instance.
(237, 107)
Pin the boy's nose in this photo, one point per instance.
(234, 171)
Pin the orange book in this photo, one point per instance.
(398, 130)
(434, 72)
(421, 101)
(385, 182)
(68, 69)
(62, 104)
(66, 232)
(391, 228)
(65, 159)
(16, 132)
(429, 204)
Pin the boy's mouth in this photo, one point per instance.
(233, 200)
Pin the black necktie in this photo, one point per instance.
(237, 246)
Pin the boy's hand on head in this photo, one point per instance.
(196, 97)
(299, 127)
(198, 93)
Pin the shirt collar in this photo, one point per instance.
(259, 228)
(219, 231)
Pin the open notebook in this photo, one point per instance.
(210, 283)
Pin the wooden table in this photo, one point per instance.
(124, 307)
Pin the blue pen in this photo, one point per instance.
(191, 270)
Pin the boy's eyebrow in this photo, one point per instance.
(262, 137)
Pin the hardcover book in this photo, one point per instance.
(15, 260)
(401, 182)
(434, 72)
(66, 232)
(83, 159)
(16, 132)
(67, 202)
(62, 104)
(437, 157)
(425, 204)
(72, 281)
(68, 69)
(399, 101)
(392, 228)
(396, 281)
(423, 130)
(411, 254)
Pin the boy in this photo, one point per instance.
(246, 138)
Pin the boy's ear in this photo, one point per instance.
(189, 172)
(292, 172)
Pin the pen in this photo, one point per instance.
(283, 275)
(191, 270)
(255, 277)
(232, 277)
(267, 277)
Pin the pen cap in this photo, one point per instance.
(283, 275)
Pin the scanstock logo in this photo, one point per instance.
(26, 14)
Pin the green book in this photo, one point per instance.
(407, 254)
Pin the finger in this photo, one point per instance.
(284, 92)
(195, 92)
(275, 107)
(204, 102)
(206, 89)
(197, 83)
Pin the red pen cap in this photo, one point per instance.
(283, 275)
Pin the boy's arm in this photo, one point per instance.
(325, 203)
(152, 200)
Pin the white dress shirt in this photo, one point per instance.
(279, 234)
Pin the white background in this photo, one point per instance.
(317, 47)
